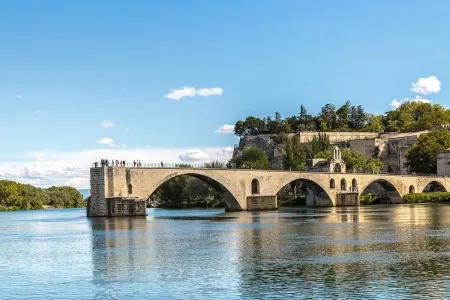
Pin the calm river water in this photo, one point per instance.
(377, 252)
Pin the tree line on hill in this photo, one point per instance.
(18, 196)
(409, 116)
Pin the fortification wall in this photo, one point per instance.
(389, 147)
(307, 136)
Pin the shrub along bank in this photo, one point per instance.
(435, 197)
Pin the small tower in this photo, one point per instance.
(337, 165)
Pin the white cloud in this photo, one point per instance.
(193, 156)
(427, 85)
(37, 157)
(108, 142)
(187, 91)
(19, 96)
(227, 128)
(215, 91)
(107, 124)
(227, 151)
(72, 168)
(396, 103)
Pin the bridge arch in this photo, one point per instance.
(434, 186)
(227, 191)
(384, 192)
(315, 193)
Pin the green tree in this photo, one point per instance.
(254, 126)
(343, 116)
(15, 195)
(254, 157)
(319, 143)
(354, 161)
(324, 154)
(291, 124)
(305, 120)
(328, 117)
(416, 116)
(374, 165)
(374, 123)
(239, 128)
(295, 154)
(358, 118)
(421, 157)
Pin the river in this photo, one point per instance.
(372, 252)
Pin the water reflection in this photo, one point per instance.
(374, 252)
(392, 251)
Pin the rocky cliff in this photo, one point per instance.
(265, 142)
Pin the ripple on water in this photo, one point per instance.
(379, 252)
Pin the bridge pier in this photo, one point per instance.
(121, 190)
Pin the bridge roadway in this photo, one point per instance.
(246, 189)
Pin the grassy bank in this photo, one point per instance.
(435, 197)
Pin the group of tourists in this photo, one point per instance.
(105, 163)
(117, 163)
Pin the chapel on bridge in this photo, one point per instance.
(335, 164)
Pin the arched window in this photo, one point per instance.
(343, 185)
(354, 185)
(255, 186)
(337, 168)
(332, 184)
(411, 189)
(130, 189)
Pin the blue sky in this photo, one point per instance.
(66, 67)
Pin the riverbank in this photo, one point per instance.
(19, 196)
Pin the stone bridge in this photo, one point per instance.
(120, 190)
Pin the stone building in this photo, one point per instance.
(443, 163)
(333, 165)
(389, 147)
(397, 146)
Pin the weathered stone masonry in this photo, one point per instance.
(117, 191)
